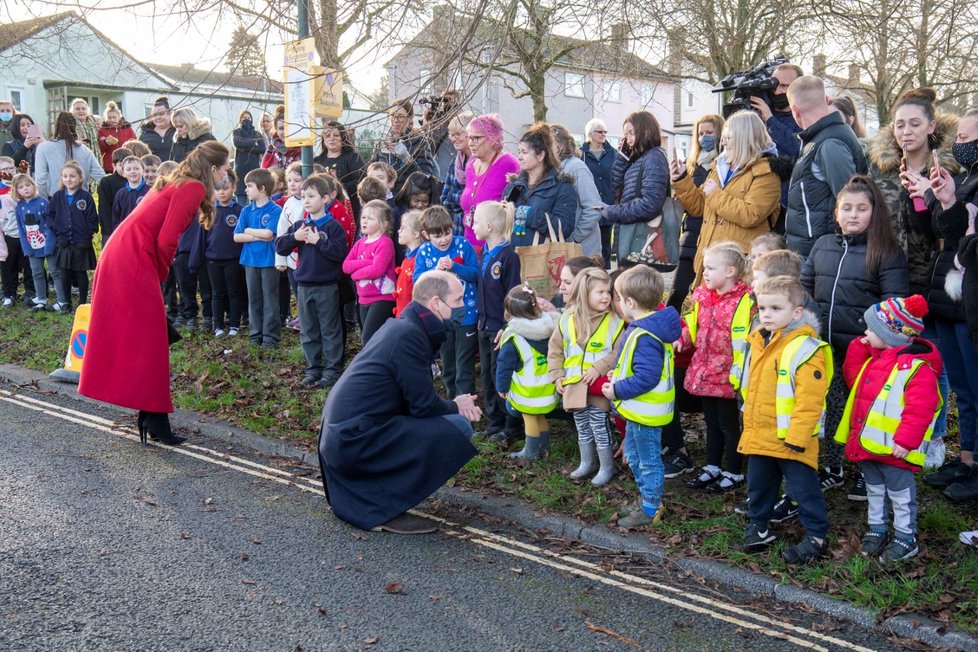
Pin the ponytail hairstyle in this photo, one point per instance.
(577, 300)
(540, 140)
(111, 107)
(924, 98)
(198, 167)
(881, 240)
(500, 215)
(66, 131)
(731, 254)
(521, 303)
(845, 105)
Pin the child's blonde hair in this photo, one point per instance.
(771, 241)
(137, 147)
(111, 107)
(389, 171)
(731, 254)
(412, 220)
(381, 212)
(500, 215)
(77, 168)
(19, 179)
(785, 286)
(780, 262)
(166, 168)
(577, 300)
(294, 168)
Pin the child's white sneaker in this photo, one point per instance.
(232, 332)
(936, 453)
(969, 538)
(7, 302)
(219, 333)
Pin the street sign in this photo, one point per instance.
(299, 62)
(328, 92)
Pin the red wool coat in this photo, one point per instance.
(127, 357)
(922, 394)
(708, 373)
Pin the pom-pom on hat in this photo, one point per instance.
(897, 321)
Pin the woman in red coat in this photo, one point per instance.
(127, 360)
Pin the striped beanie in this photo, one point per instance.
(897, 321)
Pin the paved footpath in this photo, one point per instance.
(106, 544)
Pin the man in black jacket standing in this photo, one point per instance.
(388, 440)
(830, 155)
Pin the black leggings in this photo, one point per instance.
(12, 268)
(71, 277)
(225, 278)
(372, 317)
(722, 433)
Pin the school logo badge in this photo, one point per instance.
(82, 204)
(496, 270)
(265, 219)
(231, 220)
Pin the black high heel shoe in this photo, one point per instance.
(157, 426)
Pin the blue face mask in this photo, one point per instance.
(6, 116)
(707, 143)
(455, 319)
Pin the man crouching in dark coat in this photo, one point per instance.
(388, 440)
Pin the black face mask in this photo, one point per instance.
(965, 153)
(247, 124)
(779, 102)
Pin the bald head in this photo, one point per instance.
(436, 283)
(806, 95)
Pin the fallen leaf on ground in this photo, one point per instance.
(371, 640)
(394, 588)
(607, 632)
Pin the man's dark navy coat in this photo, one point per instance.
(383, 446)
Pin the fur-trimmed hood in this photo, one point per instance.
(537, 329)
(884, 153)
(521, 177)
(202, 128)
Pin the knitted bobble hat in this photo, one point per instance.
(897, 321)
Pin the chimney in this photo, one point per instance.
(620, 38)
(854, 75)
(818, 65)
(674, 53)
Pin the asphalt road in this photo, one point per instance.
(109, 545)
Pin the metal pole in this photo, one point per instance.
(304, 33)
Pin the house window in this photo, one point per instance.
(612, 91)
(573, 84)
(646, 95)
(96, 109)
(423, 78)
(16, 98)
(689, 100)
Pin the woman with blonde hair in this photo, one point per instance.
(191, 130)
(85, 125)
(128, 314)
(741, 196)
(451, 191)
(705, 150)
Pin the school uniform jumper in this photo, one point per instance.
(258, 260)
(500, 273)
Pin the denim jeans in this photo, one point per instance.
(961, 361)
(643, 448)
(943, 385)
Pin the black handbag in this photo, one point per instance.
(172, 334)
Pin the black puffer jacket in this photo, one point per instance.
(968, 255)
(949, 227)
(835, 276)
(692, 223)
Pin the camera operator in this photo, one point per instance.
(781, 125)
(439, 112)
(832, 155)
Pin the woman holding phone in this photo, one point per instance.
(25, 137)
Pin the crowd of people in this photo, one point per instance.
(823, 277)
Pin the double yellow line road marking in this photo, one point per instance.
(675, 596)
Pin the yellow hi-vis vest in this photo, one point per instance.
(883, 418)
(654, 407)
(531, 391)
(577, 360)
(795, 353)
(739, 330)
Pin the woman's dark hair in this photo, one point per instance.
(347, 142)
(15, 126)
(648, 135)
(418, 183)
(64, 130)
(578, 263)
(881, 240)
(540, 139)
(162, 100)
(521, 302)
(925, 99)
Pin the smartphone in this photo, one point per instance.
(680, 156)
(33, 131)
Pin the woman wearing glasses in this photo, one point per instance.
(599, 156)
(487, 170)
(404, 148)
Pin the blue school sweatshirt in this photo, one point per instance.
(500, 274)
(37, 238)
(320, 263)
(258, 254)
(73, 217)
(125, 202)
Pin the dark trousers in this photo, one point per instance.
(607, 231)
(321, 336)
(722, 433)
(264, 321)
(17, 264)
(764, 476)
(188, 283)
(496, 414)
(170, 295)
(458, 355)
(284, 295)
(69, 278)
(372, 317)
(685, 274)
(225, 281)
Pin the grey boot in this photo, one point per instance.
(607, 471)
(588, 460)
(531, 450)
(544, 445)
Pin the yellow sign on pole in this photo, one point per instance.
(300, 117)
(329, 92)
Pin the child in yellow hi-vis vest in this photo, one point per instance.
(786, 377)
(884, 431)
(522, 379)
(642, 387)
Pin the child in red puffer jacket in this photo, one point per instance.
(883, 430)
(718, 327)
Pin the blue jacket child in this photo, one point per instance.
(465, 265)
(649, 354)
(37, 238)
(217, 243)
